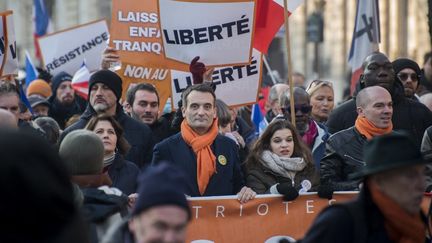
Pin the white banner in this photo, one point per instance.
(8, 51)
(66, 50)
(220, 32)
(235, 85)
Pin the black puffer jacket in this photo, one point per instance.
(260, 179)
(124, 174)
(343, 156)
(136, 133)
(101, 210)
(161, 128)
(408, 115)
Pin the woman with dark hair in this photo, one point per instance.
(123, 173)
(281, 163)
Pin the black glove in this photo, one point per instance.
(325, 191)
(287, 190)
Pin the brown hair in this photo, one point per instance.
(263, 143)
(122, 144)
(223, 113)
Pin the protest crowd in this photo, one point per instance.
(112, 165)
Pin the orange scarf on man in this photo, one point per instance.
(369, 130)
(206, 160)
(401, 226)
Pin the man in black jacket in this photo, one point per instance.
(105, 89)
(407, 114)
(388, 207)
(344, 149)
(143, 105)
(64, 102)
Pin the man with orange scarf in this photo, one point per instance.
(209, 160)
(344, 149)
(388, 206)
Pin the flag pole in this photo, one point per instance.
(270, 71)
(288, 46)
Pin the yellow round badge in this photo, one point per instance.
(222, 160)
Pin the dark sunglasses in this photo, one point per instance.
(404, 76)
(303, 108)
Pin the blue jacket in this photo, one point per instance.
(228, 179)
(124, 174)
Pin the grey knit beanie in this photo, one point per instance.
(83, 152)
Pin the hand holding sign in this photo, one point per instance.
(110, 55)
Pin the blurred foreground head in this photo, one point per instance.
(37, 197)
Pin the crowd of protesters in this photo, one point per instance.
(113, 170)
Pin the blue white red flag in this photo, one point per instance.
(366, 37)
(31, 72)
(256, 117)
(80, 81)
(42, 23)
(269, 19)
(23, 98)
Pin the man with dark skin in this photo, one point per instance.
(407, 114)
(314, 134)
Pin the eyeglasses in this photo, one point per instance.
(303, 108)
(404, 76)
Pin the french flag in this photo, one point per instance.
(80, 81)
(42, 23)
(269, 19)
(366, 37)
(256, 117)
(31, 72)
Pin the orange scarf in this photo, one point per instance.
(366, 128)
(206, 160)
(401, 226)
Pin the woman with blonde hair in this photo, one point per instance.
(321, 99)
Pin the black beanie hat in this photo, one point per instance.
(402, 63)
(36, 195)
(110, 79)
(159, 185)
(58, 79)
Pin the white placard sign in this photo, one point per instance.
(66, 50)
(235, 85)
(220, 32)
(8, 50)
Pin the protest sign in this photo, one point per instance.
(267, 218)
(220, 32)
(159, 77)
(263, 219)
(235, 85)
(67, 49)
(135, 33)
(8, 51)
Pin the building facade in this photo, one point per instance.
(404, 32)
